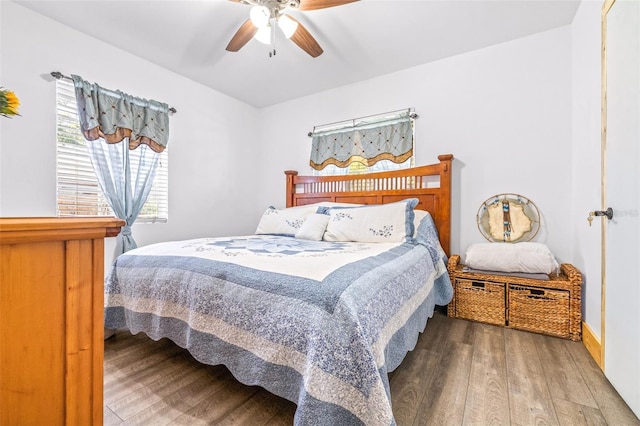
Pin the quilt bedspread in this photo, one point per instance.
(318, 323)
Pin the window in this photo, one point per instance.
(358, 166)
(78, 192)
(345, 148)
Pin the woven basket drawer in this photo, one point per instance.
(480, 301)
(539, 309)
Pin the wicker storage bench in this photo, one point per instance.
(551, 306)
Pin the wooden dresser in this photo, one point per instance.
(51, 319)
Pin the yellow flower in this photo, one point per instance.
(9, 103)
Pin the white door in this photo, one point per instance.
(621, 189)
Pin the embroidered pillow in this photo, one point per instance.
(285, 222)
(380, 223)
(313, 227)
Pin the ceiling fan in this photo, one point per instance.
(266, 15)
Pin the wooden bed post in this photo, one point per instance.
(444, 204)
(291, 188)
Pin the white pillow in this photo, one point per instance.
(532, 258)
(418, 215)
(285, 221)
(313, 227)
(380, 223)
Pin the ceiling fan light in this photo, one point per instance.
(259, 16)
(263, 35)
(287, 25)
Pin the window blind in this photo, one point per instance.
(78, 191)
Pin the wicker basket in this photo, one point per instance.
(552, 306)
(480, 301)
(539, 309)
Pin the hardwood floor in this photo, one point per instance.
(460, 373)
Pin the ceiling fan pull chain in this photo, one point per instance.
(274, 24)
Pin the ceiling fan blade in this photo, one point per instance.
(305, 40)
(321, 4)
(242, 36)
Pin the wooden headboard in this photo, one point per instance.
(430, 184)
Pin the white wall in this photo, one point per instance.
(503, 111)
(210, 136)
(586, 121)
(506, 112)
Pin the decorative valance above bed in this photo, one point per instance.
(390, 139)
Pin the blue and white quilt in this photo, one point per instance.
(318, 323)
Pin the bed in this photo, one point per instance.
(318, 322)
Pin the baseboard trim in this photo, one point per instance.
(592, 343)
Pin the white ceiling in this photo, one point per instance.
(361, 40)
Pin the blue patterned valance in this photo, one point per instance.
(390, 139)
(114, 116)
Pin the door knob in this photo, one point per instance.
(608, 213)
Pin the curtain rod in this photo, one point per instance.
(58, 76)
(353, 120)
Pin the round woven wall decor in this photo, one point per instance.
(508, 218)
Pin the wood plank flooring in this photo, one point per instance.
(460, 373)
